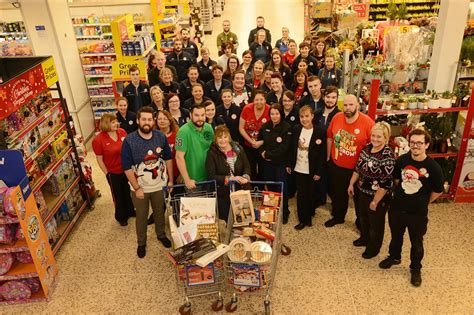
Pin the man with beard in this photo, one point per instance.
(192, 143)
(322, 118)
(180, 60)
(188, 45)
(313, 99)
(227, 36)
(154, 73)
(148, 165)
(418, 182)
(260, 26)
(347, 134)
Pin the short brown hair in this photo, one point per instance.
(277, 75)
(105, 123)
(313, 78)
(240, 71)
(220, 131)
(145, 109)
(216, 67)
(197, 106)
(306, 108)
(303, 44)
(207, 103)
(420, 132)
(331, 89)
(290, 95)
(121, 98)
(133, 69)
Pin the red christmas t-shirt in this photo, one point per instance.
(252, 124)
(348, 139)
(110, 150)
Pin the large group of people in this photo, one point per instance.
(270, 116)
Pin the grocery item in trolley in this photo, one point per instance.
(242, 207)
(238, 249)
(267, 214)
(271, 199)
(246, 275)
(197, 275)
(261, 252)
(195, 208)
(191, 251)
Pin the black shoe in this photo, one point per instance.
(165, 241)
(389, 262)
(285, 220)
(141, 251)
(415, 277)
(123, 223)
(333, 222)
(132, 214)
(300, 226)
(367, 255)
(151, 220)
(359, 242)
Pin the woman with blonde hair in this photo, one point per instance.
(107, 146)
(157, 98)
(372, 181)
(226, 161)
(258, 74)
(167, 85)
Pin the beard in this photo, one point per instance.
(350, 114)
(146, 129)
(329, 106)
(198, 123)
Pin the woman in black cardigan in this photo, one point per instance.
(226, 161)
(306, 162)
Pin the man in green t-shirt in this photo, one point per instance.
(192, 143)
(227, 36)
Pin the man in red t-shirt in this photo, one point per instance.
(347, 134)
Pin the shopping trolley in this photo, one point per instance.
(251, 266)
(173, 195)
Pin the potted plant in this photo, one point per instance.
(392, 11)
(461, 93)
(422, 102)
(423, 70)
(402, 12)
(433, 102)
(388, 72)
(412, 102)
(445, 100)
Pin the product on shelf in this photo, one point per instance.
(52, 231)
(97, 47)
(137, 45)
(8, 233)
(33, 283)
(15, 290)
(24, 257)
(6, 262)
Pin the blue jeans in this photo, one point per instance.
(277, 173)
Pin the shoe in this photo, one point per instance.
(333, 222)
(359, 243)
(300, 226)
(151, 220)
(165, 241)
(389, 262)
(415, 277)
(141, 251)
(285, 220)
(123, 223)
(367, 255)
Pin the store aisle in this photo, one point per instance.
(243, 14)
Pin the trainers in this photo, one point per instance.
(333, 222)
(165, 241)
(141, 251)
(415, 277)
(389, 262)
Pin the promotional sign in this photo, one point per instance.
(13, 173)
(120, 69)
(361, 9)
(16, 92)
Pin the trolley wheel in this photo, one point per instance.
(285, 250)
(266, 304)
(185, 309)
(231, 306)
(218, 305)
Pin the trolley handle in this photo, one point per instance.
(233, 183)
(167, 188)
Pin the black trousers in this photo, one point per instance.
(305, 198)
(372, 222)
(277, 173)
(339, 179)
(417, 225)
(256, 163)
(121, 195)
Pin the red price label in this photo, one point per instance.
(361, 9)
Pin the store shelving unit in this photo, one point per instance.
(14, 39)
(50, 157)
(416, 8)
(458, 154)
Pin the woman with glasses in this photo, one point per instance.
(233, 64)
(373, 176)
(181, 115)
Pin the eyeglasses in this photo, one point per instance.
(417, 144)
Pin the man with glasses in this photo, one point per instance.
(418, 182)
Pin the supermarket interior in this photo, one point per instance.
(67, 247)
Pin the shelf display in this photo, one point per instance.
(380, 9)
(450, 133)
(14, 39)
(34, 126)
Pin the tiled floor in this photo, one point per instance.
(100, 272)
